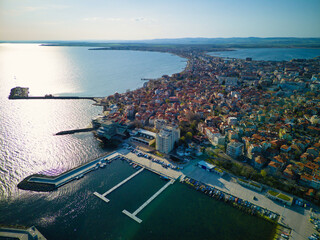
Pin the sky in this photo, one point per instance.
(151, 19)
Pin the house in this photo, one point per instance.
(310, 167)
(274, 167)
(259, 162)
(313, 151)
(288, 173)
(281, 160)
(310, 181)
(285, 148)
(253, 149)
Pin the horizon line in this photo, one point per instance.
(152, 39)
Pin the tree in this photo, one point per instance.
(189, 135)
(263, 173)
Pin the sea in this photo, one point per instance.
(28, 145)
(269, 54)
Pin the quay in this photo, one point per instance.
(103, 196)
(133, 215)
(151, 166)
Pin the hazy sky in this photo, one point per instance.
(148, 19)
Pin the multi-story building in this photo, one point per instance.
(166, 138)
(159, 123)
(144, 137)
(235, 149)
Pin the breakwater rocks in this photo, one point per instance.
(236, 202)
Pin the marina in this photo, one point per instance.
(103, 196)
(133, 215)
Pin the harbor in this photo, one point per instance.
(133, 215)
(103, 196)
(209, 183)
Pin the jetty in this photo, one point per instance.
(48, 183)
(22, 93)
(148, 79)
(50, 97)
(103, 196)
(133, 215)
(75, 131)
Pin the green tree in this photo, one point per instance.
(263, 173)
(189, 135)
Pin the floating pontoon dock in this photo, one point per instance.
(102, 196)
(133, 215)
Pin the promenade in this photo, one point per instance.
(294, 217)
(151, 166)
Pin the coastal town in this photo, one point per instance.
(253, 125)
(256, 119)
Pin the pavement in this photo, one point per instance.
(294, 217)
(152, 166)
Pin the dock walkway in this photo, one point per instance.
(133, 215)
(102, 196)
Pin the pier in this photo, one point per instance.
(75, 131)
(76, 173)
(50, 97)
(133, 215)
(103, 196)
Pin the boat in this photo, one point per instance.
(80, 176)
(164, 178)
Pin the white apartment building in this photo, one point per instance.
(166, 138)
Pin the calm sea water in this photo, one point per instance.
(270, 54)
(27, 146)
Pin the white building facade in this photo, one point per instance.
(166, 138)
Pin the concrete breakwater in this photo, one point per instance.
(75, 131)
(45, 183)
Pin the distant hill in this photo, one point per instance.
(250, 42)
(241, 42)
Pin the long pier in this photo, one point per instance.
(50, 97)
(72, 174)
(133, 215)
(103, 196)
(74, 131)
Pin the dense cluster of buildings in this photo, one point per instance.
(264, 111)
